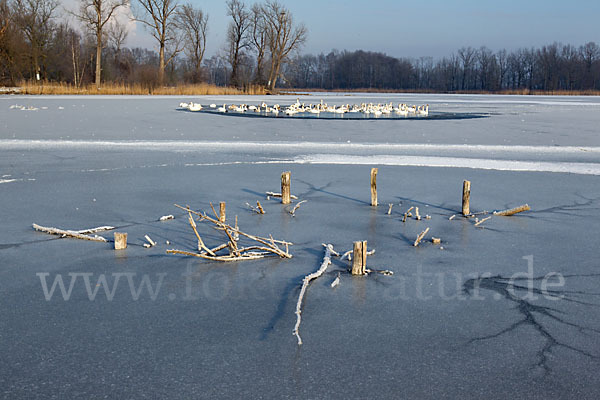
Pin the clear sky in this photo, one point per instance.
(422, 28)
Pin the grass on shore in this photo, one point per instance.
(110, 88)
(57, 88)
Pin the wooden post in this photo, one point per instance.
(222, 216)
(285, 187)
(374, 186)
(359, 262)
(120, 241)
(466, 197)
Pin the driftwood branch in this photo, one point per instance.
(150, 241)
(258, 209)
(68, 233)
(326, 261)
(512, 211)
(297, 206)
(247, 256)
(273, 194)
(266, 246)
(95, 230)
(482, 221)
(420, 237)
(336, 281)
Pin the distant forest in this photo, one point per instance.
(263, 48)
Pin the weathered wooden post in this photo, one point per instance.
(374, 186)
(359, 262)
(120, 241)
(285, 187)
(466, 197)
(222, 216)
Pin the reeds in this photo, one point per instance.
(61, 88)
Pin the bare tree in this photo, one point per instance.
(590, 53)
(95, 14)
(117, 35)
(194, 25)
(34, 19)
(4, 16)
(282, 37)
(237, 38)
(467, 57)
(258, 40)
(502, 57)
(159, 18)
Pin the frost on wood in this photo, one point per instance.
(336, 281)
(261, 247)
(326, 261)
(297, 206)
(477, 223)
(68, 233)
(258, 209)
(512, 211)
(273, 194)
(420, 237)
(150, 241)
(95, 230)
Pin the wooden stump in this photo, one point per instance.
(285, 187)
(466, 197)
(120, 241)
(222, 216)
(359, 262)
(374, 186)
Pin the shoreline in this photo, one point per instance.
(205, 90)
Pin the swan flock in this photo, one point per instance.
(401, 109)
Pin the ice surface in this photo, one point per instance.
(225, 331)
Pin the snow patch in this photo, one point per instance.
(453, 162)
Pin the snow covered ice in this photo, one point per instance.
(448, 323)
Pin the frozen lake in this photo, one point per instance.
(450, 322)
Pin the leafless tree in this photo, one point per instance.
(258, 40)
(237, 35)
(282, 37)
(159, 17)
(117, 34)
(467, 57)
(4, 15)
(34, 19)
(194, 25)
(502, 57)
(590, 53)
(95, 14)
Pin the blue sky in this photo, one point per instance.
(423, 28)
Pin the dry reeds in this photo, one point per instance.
(61, 88)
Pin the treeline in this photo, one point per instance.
(262, 48)
(554, 67)
(36, 43)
